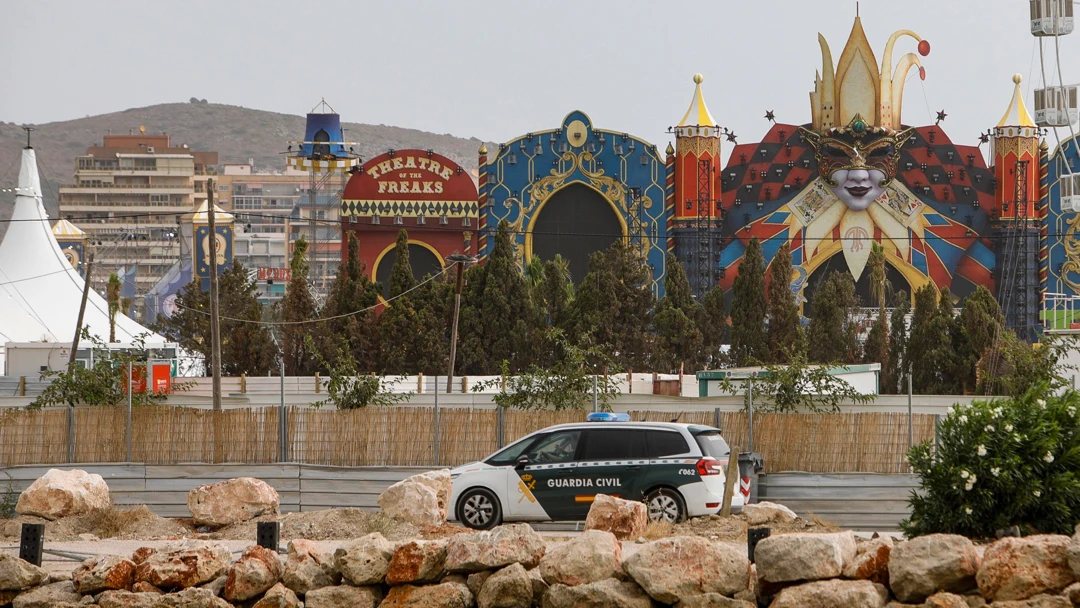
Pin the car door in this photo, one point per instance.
(611, 462)
(546, 483)
(671, 461)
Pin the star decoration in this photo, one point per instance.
(941, 116)
(731, 136)
(770, 116)
(984, 138)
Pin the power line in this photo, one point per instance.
(349, 314)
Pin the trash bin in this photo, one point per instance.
(750, 464)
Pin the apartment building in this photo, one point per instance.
(128, 195)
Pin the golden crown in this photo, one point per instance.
(857, 88)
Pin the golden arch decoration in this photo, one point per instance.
(378, 260)
(619, 212)
(915, 278)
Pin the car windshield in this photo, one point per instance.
(510, 453)
(712, 444)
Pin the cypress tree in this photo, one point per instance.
(714, 326)
(507, 305)
(931, 347)
(749, 342)
(982, 325)
(678, 339)
(894, 373)
(833, 336)
(877, 340)
(298, 305)
(471, 358)
(399, 323)
(352, 291)
(784, 332)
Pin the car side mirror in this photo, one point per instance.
(522, 461)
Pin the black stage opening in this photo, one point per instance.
(421, 259)
(837, 263)
(575, 222)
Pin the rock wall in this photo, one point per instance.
(511, 567)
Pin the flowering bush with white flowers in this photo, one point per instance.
(1001, 463)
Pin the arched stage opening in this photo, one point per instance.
(422, 260)
(575, 222)
(837, 263)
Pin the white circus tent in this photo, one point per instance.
(40, 291)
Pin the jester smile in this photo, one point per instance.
(858, 191)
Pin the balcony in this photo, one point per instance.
(1061, 313)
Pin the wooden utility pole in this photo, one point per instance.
(82, 311)
(215, 321)
(460, 260)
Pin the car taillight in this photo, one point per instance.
(709, 466)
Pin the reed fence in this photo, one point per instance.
(405, 436)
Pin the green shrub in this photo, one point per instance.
(1001, 463)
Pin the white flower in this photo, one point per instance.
(968, 510)
(989, 428)
(964, 474)
(1048, 458)
(963, 418)
(1041, 403)
(970, 484)
(996, 411)
(1008, 428)
(1037, 493)
(1071, 410)
(995, 471)
(982, 450)
(1016, 437)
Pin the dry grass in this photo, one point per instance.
(658, 529)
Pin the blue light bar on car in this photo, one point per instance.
(607, 417)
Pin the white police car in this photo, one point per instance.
(554, 473)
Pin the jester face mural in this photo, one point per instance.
(857, 161)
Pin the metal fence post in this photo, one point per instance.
(499, 433)
(910, 427)
(283, 418)
(716, 417)
(436, 446)
(937, 423)
(750, 414)
(130, 430)
(71, 434)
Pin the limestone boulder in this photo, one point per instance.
(495, 548)
(217, 585)
(608, 593)
(713, 600)
(832, 594)
(871, 562)
(227, 502)
(945, 599)
(1015, 568)
(184, 564)
(623, 518)
(343, 596)
(448, 595)
(60, 493)
(1074, 553)
(308, 566)
(539, 586)
(128, 599)
(102, 573)
(364, 561)
(17, 574)
(257, 570)
(278, 596)
(506, 588)
(1073, 593)
(145, 587)
(767, 513)
(1039, 601)
(923, 566)
(475, 581)
(419, 561)
(679, 567)
(191, 598)
(803, 557)
(591, 557)
(142, 554)
(420, 500)
(48, 596)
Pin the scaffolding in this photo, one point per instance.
(1019, 245)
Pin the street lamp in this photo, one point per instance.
(461, 260)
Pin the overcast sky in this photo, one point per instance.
(496, 69)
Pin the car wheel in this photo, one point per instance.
(665, 506)
(479, 509)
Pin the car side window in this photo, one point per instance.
(615, 444)
(666, 443)
(555, 448)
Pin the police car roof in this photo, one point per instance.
(693, 428)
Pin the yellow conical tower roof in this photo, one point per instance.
(1017, 114)
(698, 114)
(202, 214)
(65, 229)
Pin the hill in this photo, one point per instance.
(235, 133)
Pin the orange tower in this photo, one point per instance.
(1016, 161)
(697, 143)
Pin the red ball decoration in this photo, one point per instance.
(922, 73)
(924, 47)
